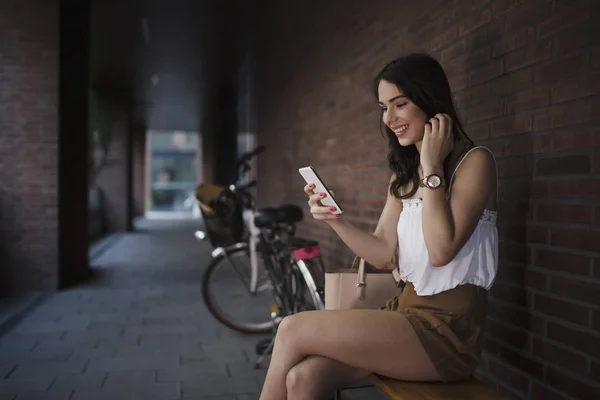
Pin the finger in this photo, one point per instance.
(315, 197)
(317, 209)
(324, 217)
(435, 125)
(332, 193)
(442, 123)
(427, 128)
(308, 189)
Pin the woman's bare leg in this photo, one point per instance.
(315, 377)
(378, 341)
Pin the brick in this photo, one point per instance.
(570, 139)
(512, 125)
(519, 317)
(507, 334)
(490, 109)
(565, 213)
(472, 96)
(565, 17)
(499, 7)
(576, 188)
(577, 37)
(563, 115)
(520, 145)
(595, 371)
(586, 292)
(509, 376)
(523, 362)
(484, 36)
(577, 87)
(514, 211)
(596, 320)
(560, 261)
(535, 279)
(29, 125)
(596, 58)
(515, 168)
(487, 72)
(478, 131)
(564, 165)
(526, 13)
(543, 392)
(575, 239)
(457, 49)
(539, 190)
(475, 20)
(560, 357)
(458, 82)
(562, 67)
(528, 100)
(444, 39)
(562, 310)
(513, 82)
(559, 380)
(513, 40)
(529, 55)
(541, 144)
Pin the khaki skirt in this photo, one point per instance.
(449, 325)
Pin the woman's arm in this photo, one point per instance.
(447, 225)
(377, 248)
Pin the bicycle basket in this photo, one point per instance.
(222, 214)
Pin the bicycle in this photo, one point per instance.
(293, 273)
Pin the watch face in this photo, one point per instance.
(433, 181)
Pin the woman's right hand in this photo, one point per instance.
(317, 210)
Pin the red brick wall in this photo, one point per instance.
(29, 51)
(526, 78)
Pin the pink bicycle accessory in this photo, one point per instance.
(306, 253)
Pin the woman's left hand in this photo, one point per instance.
(437, 141)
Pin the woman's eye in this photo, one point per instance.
(383, 109)
(400, 105)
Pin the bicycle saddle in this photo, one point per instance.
(288, 213)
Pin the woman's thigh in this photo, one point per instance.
(383, 342)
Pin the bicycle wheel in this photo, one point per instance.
(309, 287)
(226, 293)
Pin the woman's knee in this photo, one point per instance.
(302, 383)
(288, 328)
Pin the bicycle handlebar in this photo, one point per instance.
(248, 156)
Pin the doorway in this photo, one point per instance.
(172, 170)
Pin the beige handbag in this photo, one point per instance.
(361, 289)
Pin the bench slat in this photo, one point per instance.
(467, 390)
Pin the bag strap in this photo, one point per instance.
(361, 283)
(360, 279)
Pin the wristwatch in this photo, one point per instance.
(432, 181)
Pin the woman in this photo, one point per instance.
(440, 214)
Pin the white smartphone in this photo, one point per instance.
(310, 176)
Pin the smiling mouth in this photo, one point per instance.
(399, 130)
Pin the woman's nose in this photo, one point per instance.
(388, 118)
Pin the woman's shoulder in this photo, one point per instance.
(479, 158)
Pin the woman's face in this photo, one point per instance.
(401, 115)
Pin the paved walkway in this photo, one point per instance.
(139, 330)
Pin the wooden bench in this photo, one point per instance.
(471, 389)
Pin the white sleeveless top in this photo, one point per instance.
(476, 262)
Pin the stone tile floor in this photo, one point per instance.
(138, 330)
